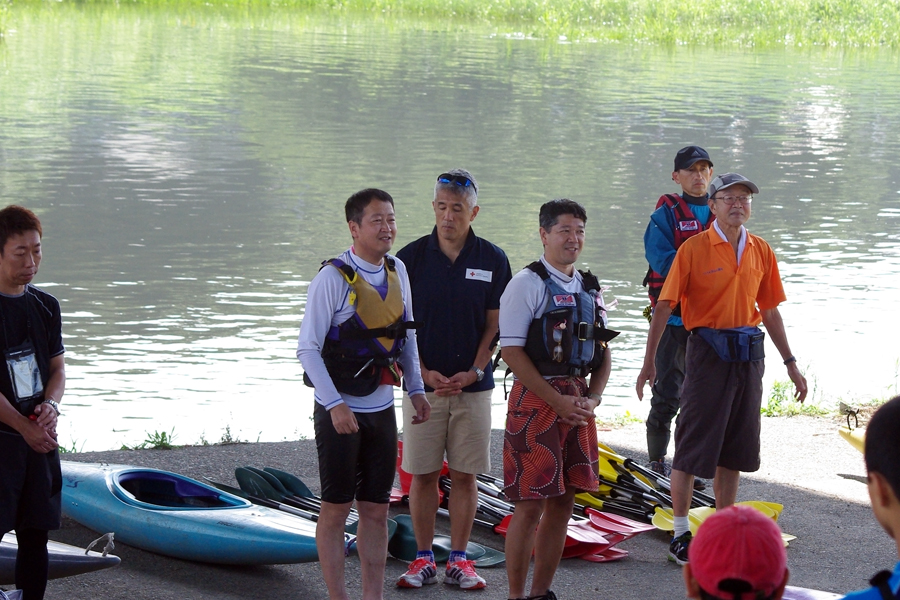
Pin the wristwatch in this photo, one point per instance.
(53, 404)
(479, 374)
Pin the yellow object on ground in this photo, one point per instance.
(855, 437)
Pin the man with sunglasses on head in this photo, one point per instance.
(727, 283)
(676, 219)
(457, 279)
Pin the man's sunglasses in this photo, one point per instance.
(459, 180)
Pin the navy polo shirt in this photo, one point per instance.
(450, 300)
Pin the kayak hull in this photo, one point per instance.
(176, 516)
(65, 560)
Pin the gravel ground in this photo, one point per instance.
(805, 465)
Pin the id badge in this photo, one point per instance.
(24, 372)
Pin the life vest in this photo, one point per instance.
(359, 351)
(569, 338)
(686, 226)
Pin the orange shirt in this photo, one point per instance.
(714, 291)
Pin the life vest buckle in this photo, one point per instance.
(584, 331)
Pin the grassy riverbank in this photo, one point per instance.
(802, 23)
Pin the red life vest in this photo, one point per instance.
(686, 226)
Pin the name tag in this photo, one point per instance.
(688, 225)
(564, 300)
(479, 275)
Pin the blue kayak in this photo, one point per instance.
(177, 516)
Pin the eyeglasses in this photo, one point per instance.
(459, 180)
(729, 200)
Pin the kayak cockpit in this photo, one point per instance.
(168, 490)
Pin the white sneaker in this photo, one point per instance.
(462, 573)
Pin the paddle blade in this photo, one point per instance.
(292, 483)
(255, 484)
(608, 555)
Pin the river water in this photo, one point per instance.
(190, 169)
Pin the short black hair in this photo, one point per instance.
(16, 220)
(882, 449)
(553, 210)
(357, 203)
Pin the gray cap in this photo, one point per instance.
(727, 180)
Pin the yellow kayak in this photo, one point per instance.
(854, 437)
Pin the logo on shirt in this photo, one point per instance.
(688, 225)
(479, 275)
(564, 300)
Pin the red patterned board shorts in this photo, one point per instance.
(541, 456)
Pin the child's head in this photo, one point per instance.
(737, 553)
(882, 453)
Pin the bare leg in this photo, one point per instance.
(682, 492)
(330, 544)
(551, 538)
(372, 546)
(725, 486)
(520, 544)
(424, 500)
(463, 504)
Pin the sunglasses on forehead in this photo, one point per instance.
(459, 180)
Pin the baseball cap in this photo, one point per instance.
(688, 155)
(727, 180)
(738, 549)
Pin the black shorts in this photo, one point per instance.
(30, 485)
(357, 465)
(719, 422)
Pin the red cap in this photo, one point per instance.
(738, 543)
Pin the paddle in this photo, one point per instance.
(254, 483)
(291, 482)
(403, 546)
(649, 476)
(262, 501)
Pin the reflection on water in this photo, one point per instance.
(191, 175)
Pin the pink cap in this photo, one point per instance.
(738, 543)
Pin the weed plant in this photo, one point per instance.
(838, 23)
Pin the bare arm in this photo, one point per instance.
(775, 327)
(657, 326)
(39, 434)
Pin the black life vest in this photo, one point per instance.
(569, 338)
(357, 351)
(686, 226)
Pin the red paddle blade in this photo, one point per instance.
(583, 531)
(608, 555)
(406, 478)
(605, 521)
(581, 549)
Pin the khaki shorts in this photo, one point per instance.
(459, 424)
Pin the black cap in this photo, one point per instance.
(687, 156)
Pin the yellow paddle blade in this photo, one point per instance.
(772, 510)
(663, 519)
(586, 499)
(606, 469)
(610, 456)
(855, 437)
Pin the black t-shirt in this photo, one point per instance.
(32, 316)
